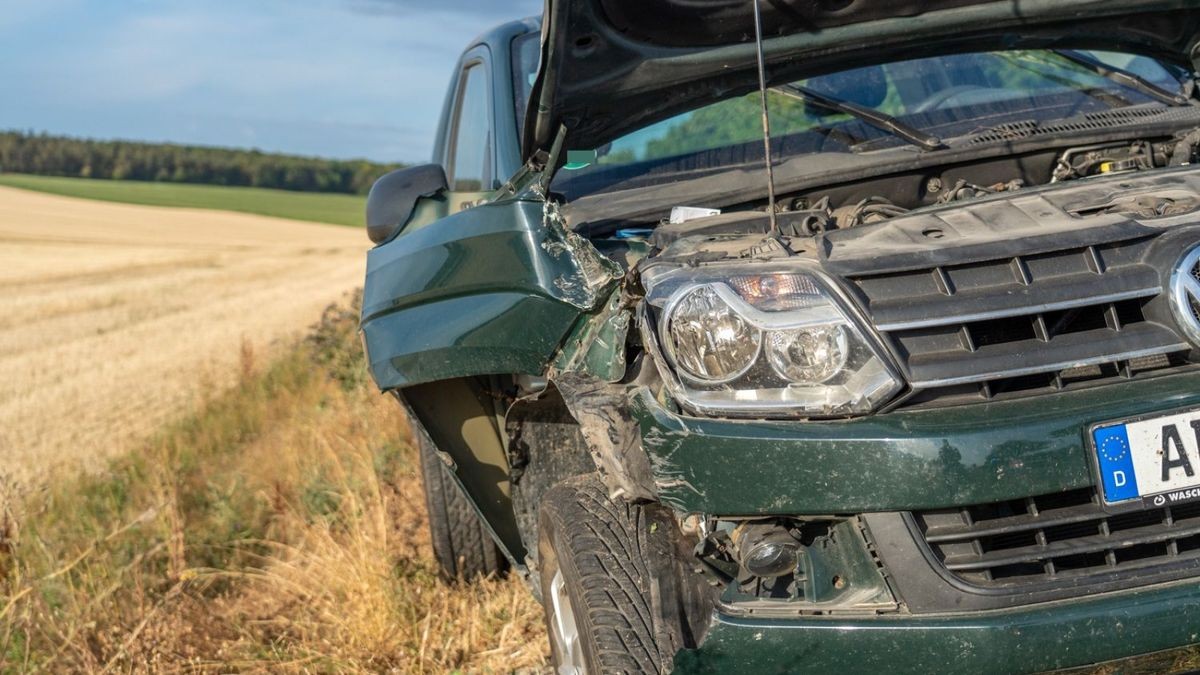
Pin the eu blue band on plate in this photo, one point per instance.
(1116, 463)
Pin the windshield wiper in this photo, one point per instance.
(874, 118)
(1122, 77)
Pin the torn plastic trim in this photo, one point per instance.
(590, 373)
(668, 478)
(603, 412)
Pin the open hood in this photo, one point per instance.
(612, 66)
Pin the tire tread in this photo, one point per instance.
(609, 545)
(462, 544)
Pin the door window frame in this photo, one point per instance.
(476, 58)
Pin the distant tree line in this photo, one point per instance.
(46, 155)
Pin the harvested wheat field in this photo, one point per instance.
(117, 317)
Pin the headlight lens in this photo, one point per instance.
(708, 339)
(775, 341)
(808, 355)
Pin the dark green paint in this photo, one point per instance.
(899, 461)
(492, 289)
(596, 346)
(469, 335)
(1033, 639)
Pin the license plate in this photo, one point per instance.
(1154, 459)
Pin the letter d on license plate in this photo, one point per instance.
(1155, 459)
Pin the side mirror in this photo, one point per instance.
(393, 198)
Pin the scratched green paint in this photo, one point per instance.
(900, 461)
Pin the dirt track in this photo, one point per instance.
(115, 317)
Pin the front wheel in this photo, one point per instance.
(609, 581)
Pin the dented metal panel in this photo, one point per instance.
(896, 462)
(493, 289)
(597, 345)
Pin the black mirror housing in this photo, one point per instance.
(393, 198)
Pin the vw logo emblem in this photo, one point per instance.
(1185, 293)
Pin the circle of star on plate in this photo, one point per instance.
(1114, 454)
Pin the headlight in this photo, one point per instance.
(709, 340)
(775, 341)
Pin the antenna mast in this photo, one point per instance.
(766, 118)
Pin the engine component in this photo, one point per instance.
(1185, 149)
(964, 190)
(1152, 205)
(1094, 160)
(867, 211)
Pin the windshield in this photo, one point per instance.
(945, 96)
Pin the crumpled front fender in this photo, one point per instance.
(493, 289)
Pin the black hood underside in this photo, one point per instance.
(610, 67)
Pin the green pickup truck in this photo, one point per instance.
(927, 399)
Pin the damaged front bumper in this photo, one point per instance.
(1041, 638)
(899, 461)
(888, 473)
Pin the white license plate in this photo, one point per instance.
(1154, 459)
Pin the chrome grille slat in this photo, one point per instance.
(940, 370)
(1023, 324)
(1017, 306)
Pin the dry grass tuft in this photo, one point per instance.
(281, 528)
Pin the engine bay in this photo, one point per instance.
(848, 206)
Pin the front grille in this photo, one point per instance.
(1058, 537)
(1023, 325)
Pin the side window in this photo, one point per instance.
(471, 146)
(527, 53)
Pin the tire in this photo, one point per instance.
(462, 543)
(607, 571)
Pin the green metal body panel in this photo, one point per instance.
(488, 290)
(900, 461)
(1028, 640)
(596, 346)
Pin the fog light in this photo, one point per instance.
(766, 550)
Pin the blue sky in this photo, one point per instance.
(335, 78)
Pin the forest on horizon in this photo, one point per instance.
(47, 155)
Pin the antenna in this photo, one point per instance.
(766, 118)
